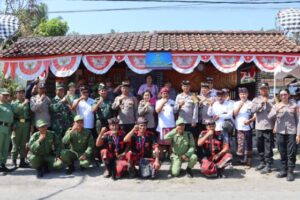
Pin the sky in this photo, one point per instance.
(186, 17)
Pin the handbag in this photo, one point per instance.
(145, 168)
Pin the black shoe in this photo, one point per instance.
(24, 164)
(5, 169)
(281, 174)
(266, 169)
(290, 176)
(39, 173)
(46, 169)
(70, 169)
(260, 166)
(131, 171)
(14, 163)
(189, 172)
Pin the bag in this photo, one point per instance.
(145, 168)
(228, 126)
(208, 167)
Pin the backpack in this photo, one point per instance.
(208, 167)
(146, 169)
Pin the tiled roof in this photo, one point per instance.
(175, 41)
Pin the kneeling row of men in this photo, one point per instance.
(121, 152)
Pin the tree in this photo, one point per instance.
(52, 27)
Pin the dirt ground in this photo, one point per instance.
(241, 183)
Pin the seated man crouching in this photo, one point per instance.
(144, 150)
(213, 151)
(183, 147)
(81, 144)
(44, 150)
(113, 148)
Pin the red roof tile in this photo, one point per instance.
(186, 41)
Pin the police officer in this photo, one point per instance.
(39, 105)
(6, 120)
(45, 148)
(60, 112)
(102, 108)
(287, 130)
(183, 147)
(187, 107)
(81, 145)
(261, 107)
(21, 128)
(126, 106)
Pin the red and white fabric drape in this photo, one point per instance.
(185, 63)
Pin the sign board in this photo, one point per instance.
(159, 60)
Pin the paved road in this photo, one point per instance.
(241, 184)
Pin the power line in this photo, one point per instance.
(255, 2)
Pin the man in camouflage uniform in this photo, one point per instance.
(45, 147)
(81, 145)
(6, 120)
(21, 127)
(60, 112)
(102, 108)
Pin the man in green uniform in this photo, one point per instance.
(183, 147)
(45, 148)
(60, 112)
(71, 96)
(102, 108)
(21, 128)
(81, 145)
(6, 120)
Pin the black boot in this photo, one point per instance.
(23, 163)
(39, 172)
(5, 169)
(282, 173)
(189, 172)
(290, 175)
(267, 169)
(70, 169)
(46, 168)
(260, 166)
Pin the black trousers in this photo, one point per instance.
(265, 145)
(287, 148)
(127, 127)
(193, 130)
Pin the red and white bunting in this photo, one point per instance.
(137, 63)
(268, 63)
(227, 63)
(98, 64)
(65, 66)
(185, 64)
(29, 69)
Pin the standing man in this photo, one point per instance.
(186, 107)
(60, 112)
(204, 102)
(39, 104)
(212, 91)
(6, 120)
(81, 145)
(127, 108)
(183, 147)
(45, 149)
(261, 107)
(102, 108)
(21, 128)
(83, 106)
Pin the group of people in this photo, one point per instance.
(132, 134)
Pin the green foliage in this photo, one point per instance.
(52, 27)
(8, 83)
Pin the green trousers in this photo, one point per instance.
(176, 163)
(69, 157)
(38, 161)
(19, 139)
(4, 143)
